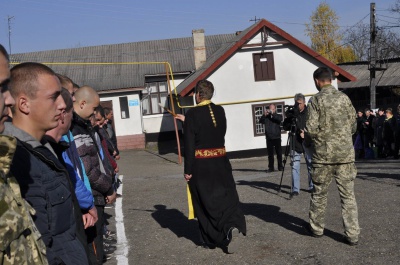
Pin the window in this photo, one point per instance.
(158, 94)
(123, 103)
(258, 111)
(264, 69)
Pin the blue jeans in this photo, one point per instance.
(296, 171)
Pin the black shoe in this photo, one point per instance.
(106, 257)
(110, 247)
(109, 233)
(280, 168)
(295, 193)
(349, 242)
(109, 240)
(308, 229)
(269, 170)
(119, 195)
(233, 240)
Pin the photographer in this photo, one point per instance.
(300, 116)
(272, 122)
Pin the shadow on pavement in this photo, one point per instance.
(266, 186)
(177, 222)
(248, 170)
(272, 214)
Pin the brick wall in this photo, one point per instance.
(126, 142)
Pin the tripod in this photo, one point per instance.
(289, 151)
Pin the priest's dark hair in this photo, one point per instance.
(205, 89)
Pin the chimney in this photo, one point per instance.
(199, 47)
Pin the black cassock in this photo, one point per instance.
(214, 196)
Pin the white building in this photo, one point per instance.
(261, 65)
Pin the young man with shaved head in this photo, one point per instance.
(43, 181)
(87, 100)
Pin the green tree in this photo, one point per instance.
(325, 35)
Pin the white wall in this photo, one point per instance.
(234, 81)
(131, 125)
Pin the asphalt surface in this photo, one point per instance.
(154, 206)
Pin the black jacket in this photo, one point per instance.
(300, 125)
(44, 184)
(272, 123)
(100, 181)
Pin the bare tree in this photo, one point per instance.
(358, 38)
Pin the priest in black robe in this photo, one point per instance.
(209, 173)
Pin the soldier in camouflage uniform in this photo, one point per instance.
(20, 240)
(330, 125)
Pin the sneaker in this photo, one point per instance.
(349, 242)
(294, 193)
(310, 232)
(234, 243)
(107, 257)
(108, 249)
(110, 206)
(109, 233)
(109, 240)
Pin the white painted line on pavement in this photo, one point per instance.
(122, 242)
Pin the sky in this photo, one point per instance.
(38, 25)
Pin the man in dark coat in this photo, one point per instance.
(209, 173)
(388, 133)
(103, 192)
(42, 178)
(272, 122)
(379, 120)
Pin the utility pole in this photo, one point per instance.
(372, 63)
(9, 34)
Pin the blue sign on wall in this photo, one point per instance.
(133, 102)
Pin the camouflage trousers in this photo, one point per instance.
(344, 175)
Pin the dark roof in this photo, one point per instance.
(387, 78)
(178, 52)
(229, 48)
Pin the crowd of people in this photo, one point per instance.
(378, 134)
(58, 168)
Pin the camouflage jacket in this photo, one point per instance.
(330, 124)
(21, 242)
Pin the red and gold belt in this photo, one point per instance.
(210, 152)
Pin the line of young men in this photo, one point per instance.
(52, 211)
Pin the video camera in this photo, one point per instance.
(291, 114)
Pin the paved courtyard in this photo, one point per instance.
(157, 231)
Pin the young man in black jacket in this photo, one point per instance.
(42, 178)
(272, 122)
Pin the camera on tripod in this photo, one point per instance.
(291, 114)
